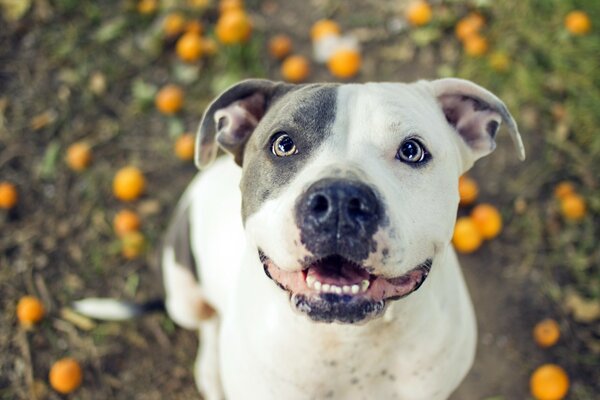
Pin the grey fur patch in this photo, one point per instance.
(178, 238)
(306, 114)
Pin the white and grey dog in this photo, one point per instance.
(337, 279)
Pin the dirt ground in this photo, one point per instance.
(58, 243)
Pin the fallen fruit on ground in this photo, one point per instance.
(488, 220)
(324, 27)
(280, 46)
(469, 25)
(549, 382)
(185, 146)
(128, 183)
(578, 23)
(295, 68)
(189, 47)
(8, 195)
(563, 189)
(573, 207)
(65, 375)
(132, 245)
(233, 27)
(418, 13)
(467, 190)
(173, 24)
(126, 221)
(169, 99)
(194, 26)
(147, 6)
(475, 45)
(230, 5)
(546, 332)
(344, 63)
(466, 238)
(30, 310)
(79, 156)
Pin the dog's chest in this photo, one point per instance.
(321, 364)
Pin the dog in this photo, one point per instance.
(315, 259)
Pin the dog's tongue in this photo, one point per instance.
(338, 271)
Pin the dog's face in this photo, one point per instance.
(349, 192)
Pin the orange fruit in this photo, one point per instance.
(475, 45)
(564, 189)
(578, 23)
(233, 27)
(126, 221)
(184, 147)
(487, 219)
(199, 4)
(324, 27)
(546, 332)
(147, 6)
(128, 183)
(466, 238)
(295, 68)
(418, 13)
(209, 47)
(194, 26)
(79, 156)
(280, 46)
(573, 207)
(230, 5)
(344, 63)
(189, 47)
(8, 195)
(173, 24)
(132, 245)
(499, 61)
(30, 310)
(467, 190)
(65, 375)
(549, 382)
(469, 25)
(169, 99)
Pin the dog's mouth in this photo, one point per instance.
(334, 288)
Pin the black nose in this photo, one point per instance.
(338, 216)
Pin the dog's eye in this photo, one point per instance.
(283, 145)
(412, 151)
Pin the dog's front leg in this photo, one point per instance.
(206, 370)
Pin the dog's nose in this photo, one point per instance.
(335, 215)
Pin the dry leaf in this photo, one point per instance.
(585, 311)
(43, 119)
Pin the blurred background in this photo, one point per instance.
(99, 102)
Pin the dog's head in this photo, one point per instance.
(349, 192)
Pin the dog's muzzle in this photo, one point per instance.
(334, 289)
(338, 219)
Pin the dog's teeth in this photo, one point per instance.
(325, 288)
(336, 289)
(346, 289)
(317, 286)
(364, 285)
(355, 289)
(310, 280)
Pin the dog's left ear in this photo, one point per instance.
(476, 114)
(232, 117)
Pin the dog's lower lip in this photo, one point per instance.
(338, 276)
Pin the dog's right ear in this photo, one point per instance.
(232, 117)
